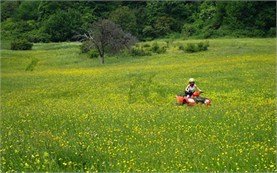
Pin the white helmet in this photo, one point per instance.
(191, 80)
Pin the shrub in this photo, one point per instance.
(157, 49)
(202, 46)
(85, 47)
(22, 44)
(93, 53)
(162, 50)
(272, 32)
(181, 47)
(169, 42)
(146, 45)
(191, 47)
(139, 52)
(195, 47)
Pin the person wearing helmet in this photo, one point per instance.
(191, 88)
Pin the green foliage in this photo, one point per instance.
(195, 47)
(191, 47)
(189, 30)
(5, 44)
(12, 28)
(32, 65)
(74, 115)
(28, 10)
(181, 47)
(107, 37)
(272, 32)
(36, 36)
(63, 25)
(203, 46)
(138, 51)
(149, 33)
(85, 46)
(8, 9)
(173, 36)
(23, 29)
(156, 48)
(93, 53)
(235, 19)
(125, 17)
(173, 13)
(164, 25)
(42, 21)
(21, 44)
(146, 45)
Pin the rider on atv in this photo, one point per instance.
(192, 95)
(191, 88)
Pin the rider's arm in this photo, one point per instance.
(187, 88)
(198, 88)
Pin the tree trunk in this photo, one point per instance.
(101, 58)
(101, 55)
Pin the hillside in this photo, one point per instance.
(62, 111)
(59, 21)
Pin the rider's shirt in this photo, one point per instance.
(191, 88)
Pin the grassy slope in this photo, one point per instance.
(70, 113)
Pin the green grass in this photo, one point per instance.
(69, 113)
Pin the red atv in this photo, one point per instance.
(193, 100)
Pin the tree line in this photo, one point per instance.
(55, 21)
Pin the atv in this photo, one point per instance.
(193, 100)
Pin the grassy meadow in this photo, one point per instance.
(62, 111)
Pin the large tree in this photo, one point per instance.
(106, 36)
(63, 25)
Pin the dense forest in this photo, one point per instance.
(55, 21)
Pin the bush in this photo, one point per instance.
(191, 47)
(202, 46)
(169, 42)
(22, 44)
(93, 53)
(195, 47)
(272, 32)
(157, 49)
(139, 52)
(85, 47)
(181, 47)
(146, 45)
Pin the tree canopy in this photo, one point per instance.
(106, 36)
(60, 20)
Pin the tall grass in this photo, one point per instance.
(72, 114)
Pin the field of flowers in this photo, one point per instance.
(62, 111)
